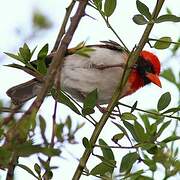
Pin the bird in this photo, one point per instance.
(100, 67)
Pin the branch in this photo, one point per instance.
(110, 27)
(159, 40)
(132, 60)
(149, 112)
(63, 26)
(52, 70)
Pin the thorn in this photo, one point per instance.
(85, 14)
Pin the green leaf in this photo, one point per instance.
(167, 17)
(168, 11)
(37, 168)
(143, 9)
(59, 131)
(164, 101)
(84, 51)
(140, 19)
(25, 53)
(62, 98)
(135, 176)
(169, 75)
(153, 129)
(79, 126)
(122, 129)
(134, 106)
(111, 163)
(127, 162)
(5, 156)
(171, 138)
(86, 143)
(27, 169)
(98, 4)
(40, 21)
(162, 128)
(68, 123)
(176, 47)
(151, 164)
(48, 174)
(146, 122)
(17, 66)
(172, 110)
(117, 137)
(43, 52)
(139, 130)
(27, 149)
(14, 56)
(163, 43)
(42, 124)
(41, 66)
(130, 127)
(101, 169)
(128, 116)
(90, 102)
(146, 146)
(109, 7)
(107, 152)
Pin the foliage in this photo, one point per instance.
(148, 143)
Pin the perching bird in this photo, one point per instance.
(101, 69)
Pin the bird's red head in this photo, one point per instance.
(146, 70)
(152, 68)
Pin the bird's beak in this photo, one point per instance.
(154, 78)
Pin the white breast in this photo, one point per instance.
(79, 75)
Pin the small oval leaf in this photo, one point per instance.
(172, 110)
(37, 168)
(107, 152)
(139, 130)
(86, 143)
(171, 138)
(127, 162)
(162, 128)
(128, 116)
(163, 43)
(140, 19)
(117, 137)
(62, 98)
(143, 9)
(101, 169)
(167, 17)
(98, 4)
(90, 102)
(164, 101)
(27, 169)
(130, 127)
(109, 7)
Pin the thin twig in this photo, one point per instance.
(148, 112)
(116, 147)
(11, 167)
(163, 41)
(111, 28)
(8, 119)
(93, 120)
(63, 26)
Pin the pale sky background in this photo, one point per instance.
(17, 14)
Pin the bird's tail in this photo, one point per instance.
(25, 91)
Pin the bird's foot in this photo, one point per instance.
(104, 110)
